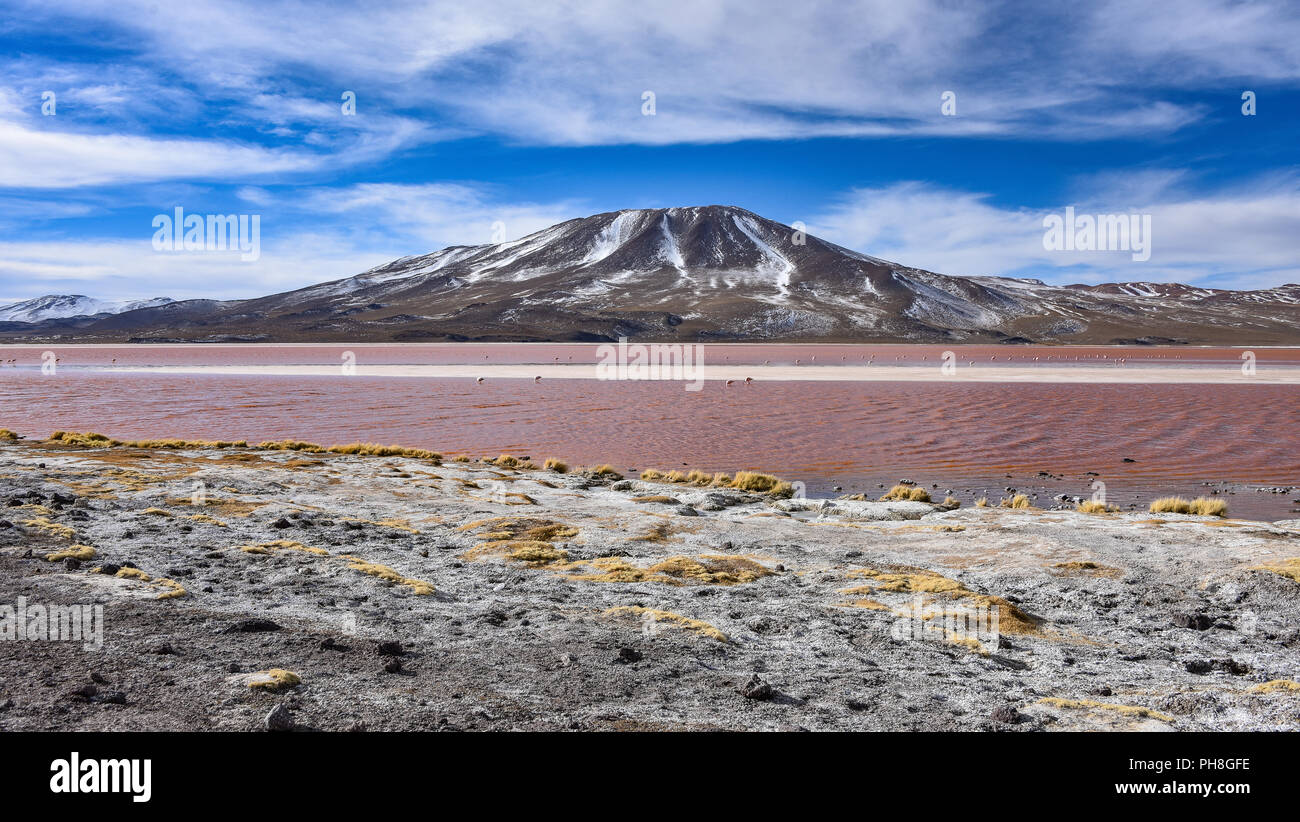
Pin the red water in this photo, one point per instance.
(974, 438)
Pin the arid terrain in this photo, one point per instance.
(293, 587)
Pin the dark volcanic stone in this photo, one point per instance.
(1196, 621)
(1007, 714)
(627, 655)
(756, 688)
(248, 626)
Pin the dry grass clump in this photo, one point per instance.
(1094, 507)
(179, 443)
(906, 492)
(291, 445)
(951, 503)
(370, 449)
(170, 588)
(506, 528)
(52, 528)
(81, 552)
(1135, 711)
(281, 545)
(521, 539)
(743, 480)
(374, 569)
(761, 483)
(557, 465)
(6, 434)
(1011, 620)
(276, 679)
(461, 458)
(982, 502)
(661, 498)
(1275, 686)
(1289, 568)
(656, 616)
(508, 461)
(86, 439)
(605, 470)
(1018, 501)
(531, 552)
(1201, 506)
(90, 439)
(709, 569)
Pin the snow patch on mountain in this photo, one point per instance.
(64, 306)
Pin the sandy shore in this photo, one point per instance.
(979, 372)
(527, 599)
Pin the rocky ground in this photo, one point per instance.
(245, 589)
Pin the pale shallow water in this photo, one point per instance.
(965, 437)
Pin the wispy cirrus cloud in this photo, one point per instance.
(573, 73)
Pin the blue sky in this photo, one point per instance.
(523, 114)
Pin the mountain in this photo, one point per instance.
(703, 273)
(62, 306)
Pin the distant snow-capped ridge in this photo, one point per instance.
(62, 306)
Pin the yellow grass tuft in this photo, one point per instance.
(982, 502)
(1011, 620)
(290, 445)
(761, 483)
(1201, 506)
(276, 679)
(171, 589)
(1094, 507)
(86, 439)
(281, 545)
(557, 465)
(374, 569)
(660, 498)
(6, 434)
(709, 569)
(370, 449)
(1018, 501)
(606, 470)
(1124, 710)
(81, 552)
(906, 492)
(652, 475)
(951, 502)
(1289, 568)
(53, 528)
(1275, 686)
(678, 620)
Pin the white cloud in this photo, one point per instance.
(573, 73)
(319, 235)
(1238, 238)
